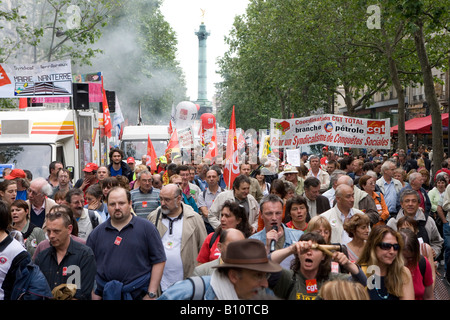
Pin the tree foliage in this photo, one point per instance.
(139, 62)
(291, 56)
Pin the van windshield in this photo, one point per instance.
(33, 157)
(137, 148)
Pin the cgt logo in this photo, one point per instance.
(376, 127)
(311, 286)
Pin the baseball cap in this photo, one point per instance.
(131, 160)
(90, 167)
(16, 173)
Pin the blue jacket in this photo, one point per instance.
(184, 290)
(116, 290)
(30, 283)
(290, 236)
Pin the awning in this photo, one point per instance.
(420, 125)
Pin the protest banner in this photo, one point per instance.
(331, 130)
(47, 79)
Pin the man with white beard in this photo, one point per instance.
(182, 232)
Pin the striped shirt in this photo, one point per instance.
(144, 203)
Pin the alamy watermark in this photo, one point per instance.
(374, 20)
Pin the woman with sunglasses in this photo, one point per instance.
(382, 261)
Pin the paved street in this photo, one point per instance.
(441, 275)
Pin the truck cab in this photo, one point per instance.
(31, 139)
(135, 139)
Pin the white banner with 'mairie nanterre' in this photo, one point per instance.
(47, 79)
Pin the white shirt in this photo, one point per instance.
(345, 238)
(171, 240)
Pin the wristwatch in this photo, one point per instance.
(151, 294)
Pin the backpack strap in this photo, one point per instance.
(93, 217)
(198, 285)
(214, 237)
(422, 265)
(29, 231)
(157, 217)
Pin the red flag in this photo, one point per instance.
(231, 167)
(170, 129)
(201, 134)
(23, 103)
(151, 155)
(213, 150)
(106, 115)
(173, 145)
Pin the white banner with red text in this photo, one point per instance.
(331, 130)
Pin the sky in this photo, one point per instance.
(185, 17)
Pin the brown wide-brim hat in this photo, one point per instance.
(248, 254)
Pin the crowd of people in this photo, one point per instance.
(369, 226)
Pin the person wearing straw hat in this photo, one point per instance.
(290, 173)
(242, 274)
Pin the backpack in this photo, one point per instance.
(93, 217)
(422, 232)
(198, 285)
(422, 266)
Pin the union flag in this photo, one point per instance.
(151, 155)
(231, 167)
(106, 115)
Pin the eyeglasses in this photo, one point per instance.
(387, 246)
(31, 191)
(165, 199)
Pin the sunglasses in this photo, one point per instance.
(388, 246)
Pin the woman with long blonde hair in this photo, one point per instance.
(382, 261)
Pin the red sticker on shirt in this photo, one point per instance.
(144, 204)
(311, 286)
(64, 271)
(118, 241)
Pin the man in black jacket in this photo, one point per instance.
(317, 203)
(117, 167)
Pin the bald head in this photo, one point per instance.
(345, 179)
(344, 198)
(227, 236)
(171, 189)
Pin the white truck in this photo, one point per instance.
(31, 139)
(135, 138)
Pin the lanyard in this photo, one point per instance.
(171, 221)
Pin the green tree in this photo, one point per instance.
(60, 29)
(428, 22)
(139, 62)
(291, 56)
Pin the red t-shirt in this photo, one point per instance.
(420, 282)
(206, 254)
(290, 225)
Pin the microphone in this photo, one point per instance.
(273, 242)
